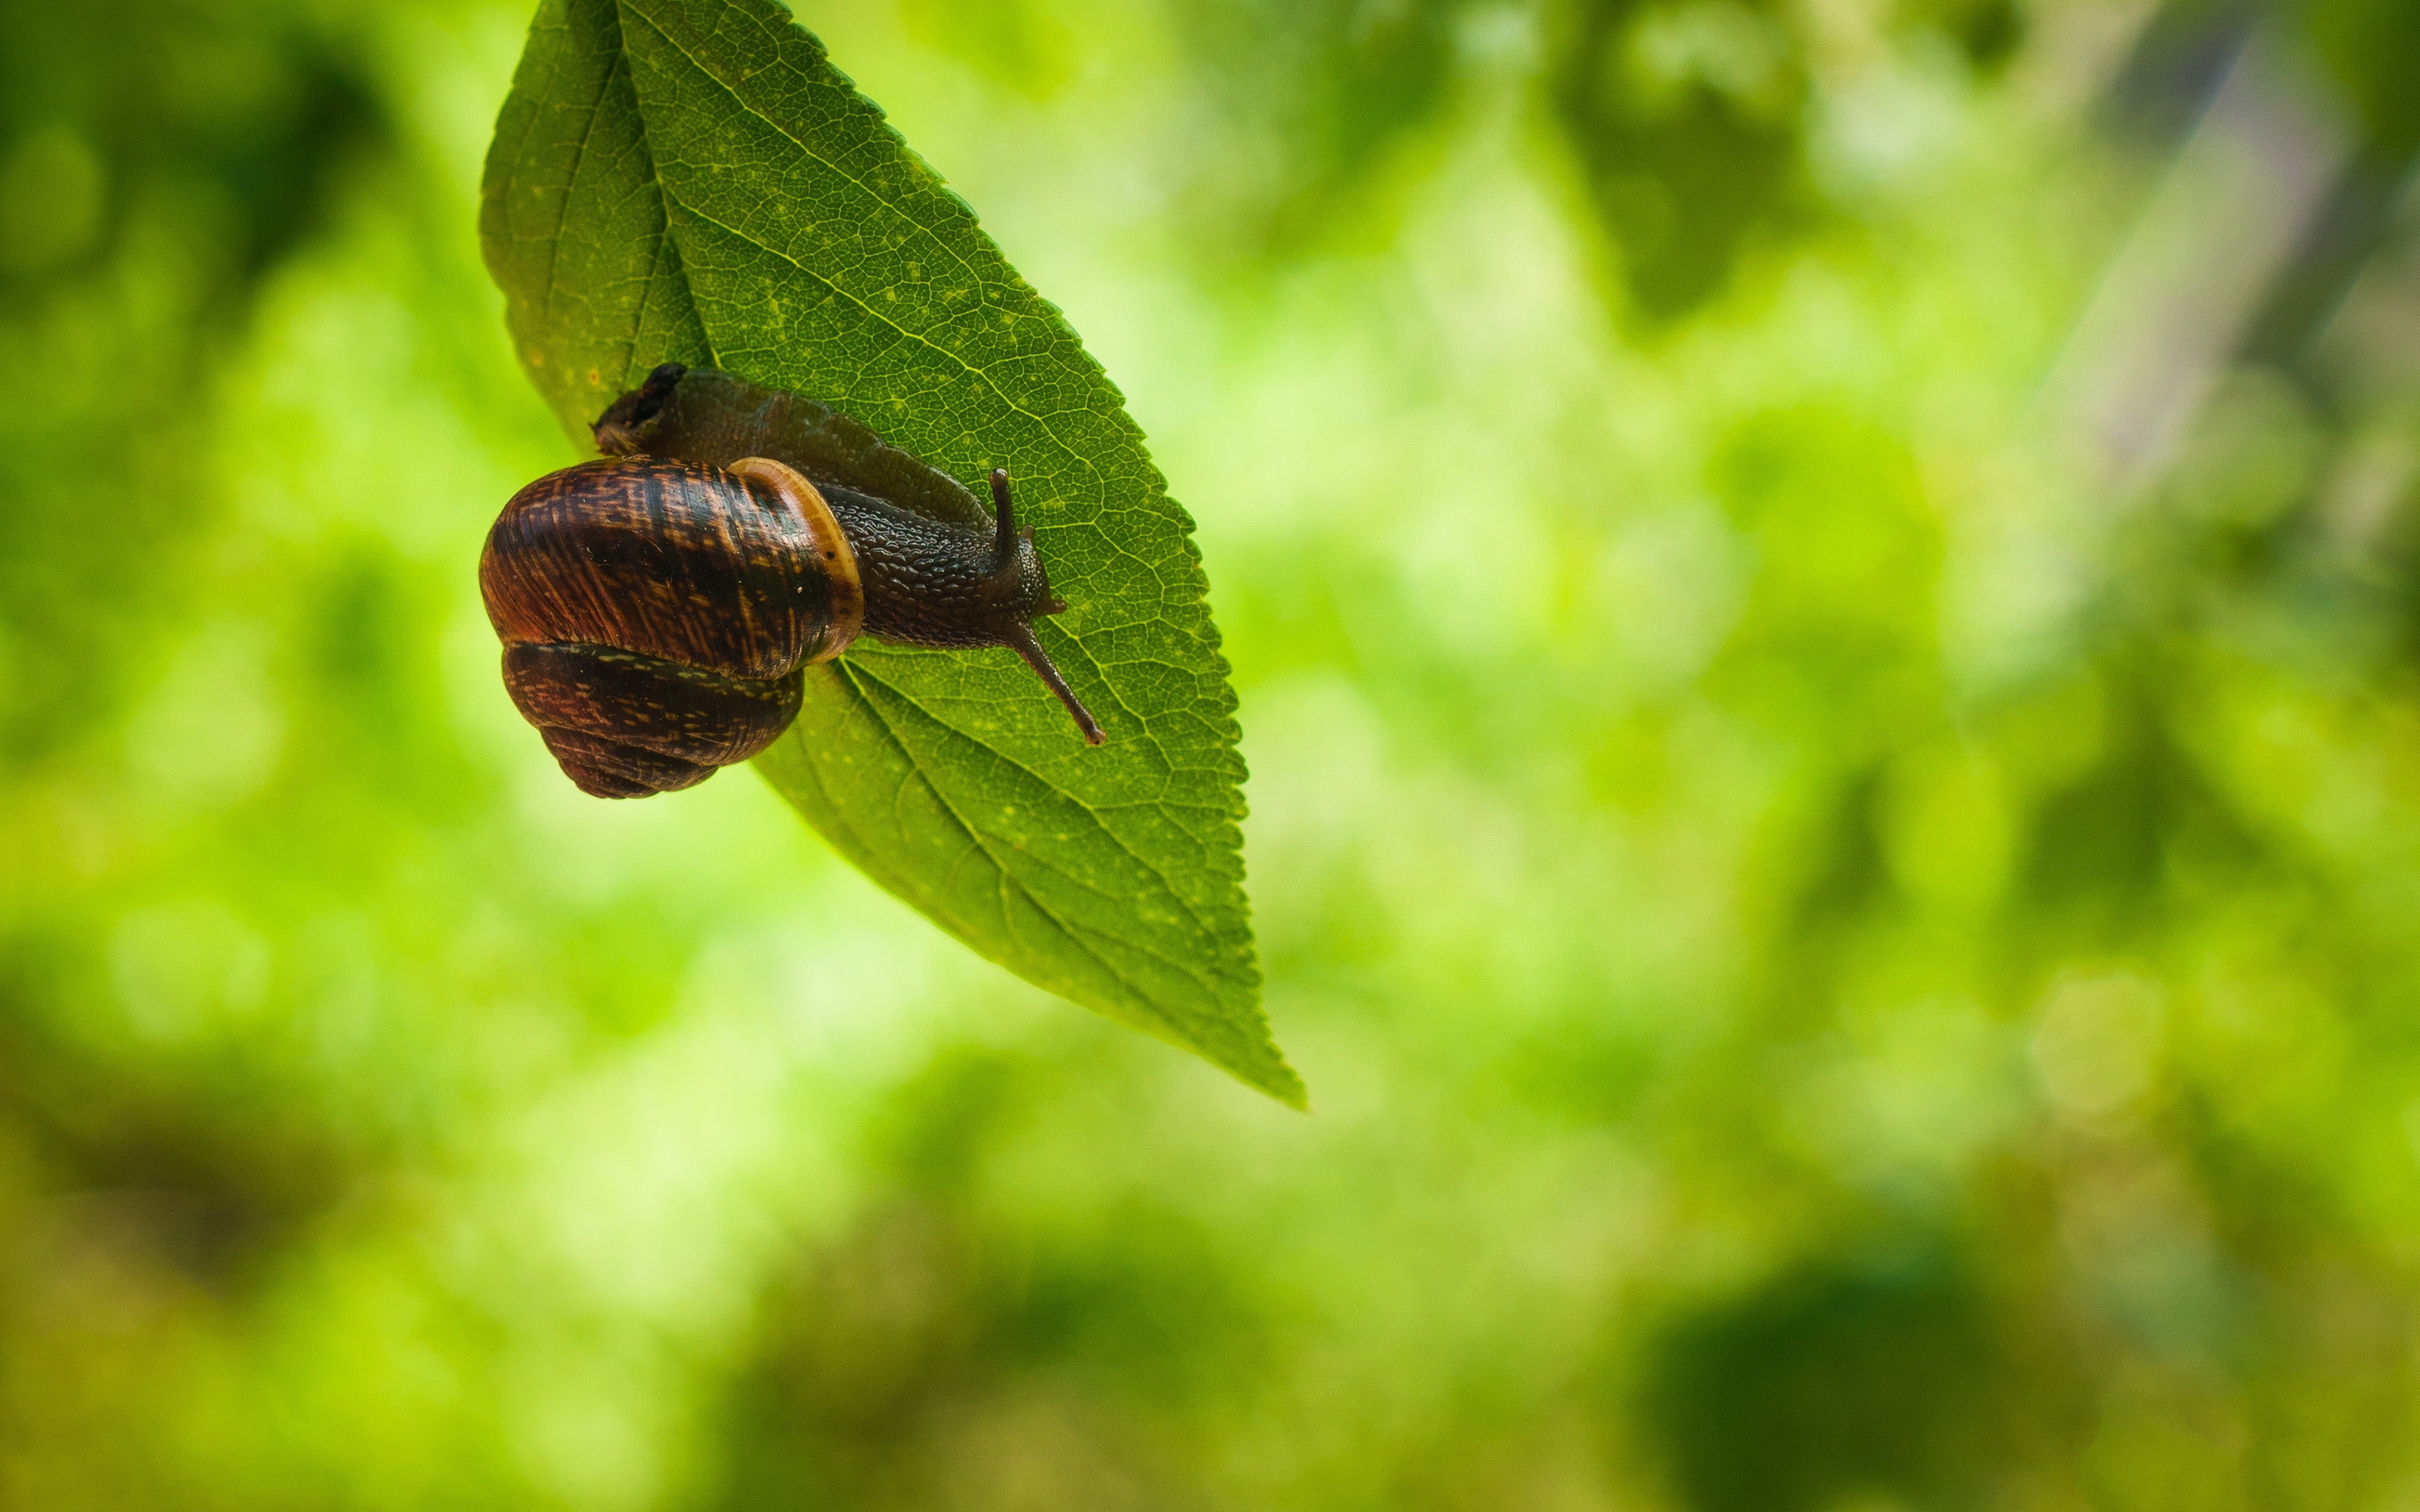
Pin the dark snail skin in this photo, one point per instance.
(713, 418)
(938, 569)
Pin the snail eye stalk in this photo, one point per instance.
(1003, 543)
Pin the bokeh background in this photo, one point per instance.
(1824, 595)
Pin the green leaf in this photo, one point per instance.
(692, 181)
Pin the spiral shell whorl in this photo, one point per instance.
(655, 615)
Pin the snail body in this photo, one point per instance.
(658, 606)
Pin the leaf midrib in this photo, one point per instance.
(976, 279)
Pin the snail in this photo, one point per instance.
(658, 606)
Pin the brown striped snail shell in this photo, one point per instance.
(657, 608)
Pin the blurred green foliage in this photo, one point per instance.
(1854, 940)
